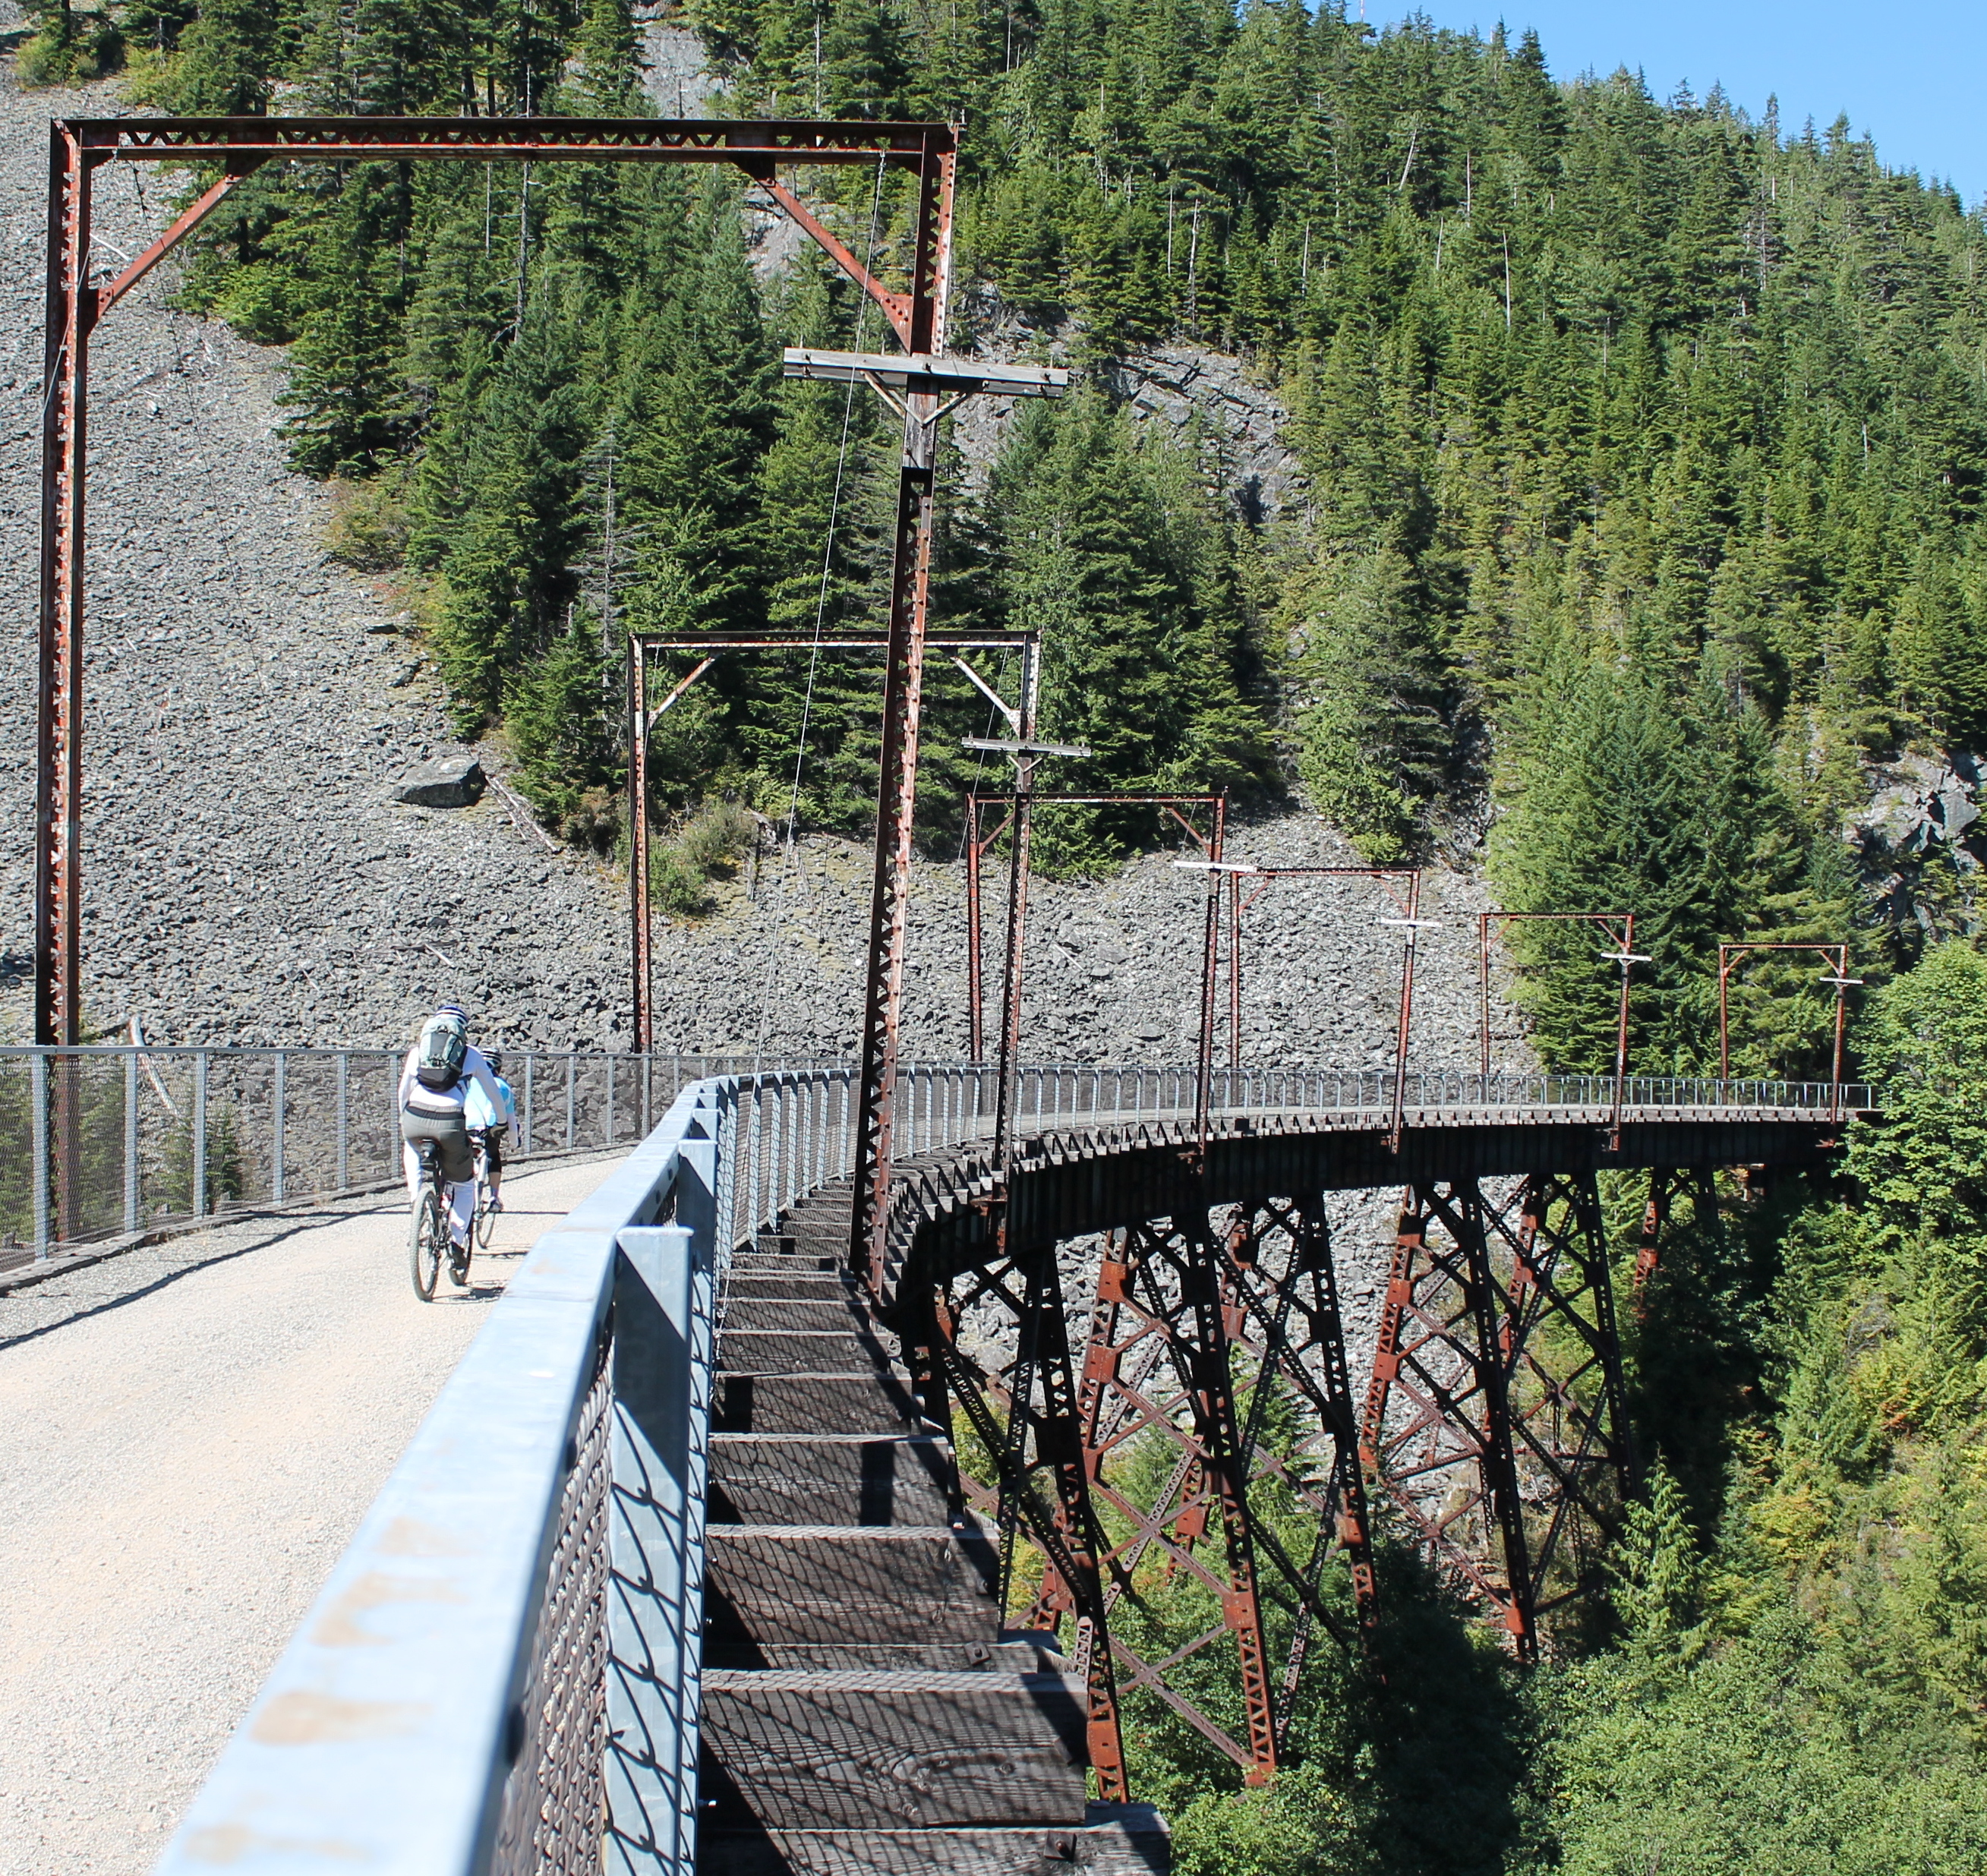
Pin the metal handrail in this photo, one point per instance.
(268, 1126)
(522, 1607)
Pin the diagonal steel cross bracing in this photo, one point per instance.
(1024, 1415)
(1281, 1300)
(1158, 1379)
(1213, 1384)
(1496, 1427)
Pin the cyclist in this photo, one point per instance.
(435, 1085)
(488, 1125)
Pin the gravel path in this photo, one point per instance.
(194, 1433)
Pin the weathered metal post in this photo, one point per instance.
(200, 1136)
(280, 1101)
(39, 1079)
(638, 841)
(1413, 924)
(71, 315)
(903, 685)
(131, 1141)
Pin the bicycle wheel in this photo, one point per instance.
(485, 1216)
(427, 1243)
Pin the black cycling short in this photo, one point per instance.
(450, 1136)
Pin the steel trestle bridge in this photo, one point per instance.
(825, 1491)
(709, 1555)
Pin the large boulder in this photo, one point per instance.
(445, 781)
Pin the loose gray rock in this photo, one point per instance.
(448, 782)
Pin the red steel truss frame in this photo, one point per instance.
(1407, 900)
(1497, 1423)
(1732, 953)
(1026, 1418)
(77, 300)
(708, 647)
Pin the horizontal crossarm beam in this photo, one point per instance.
(928, 373)
(806, 641)
(536, 139)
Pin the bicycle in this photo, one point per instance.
(427, 1229)
(487, 1206)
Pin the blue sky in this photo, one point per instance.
(1911, 79)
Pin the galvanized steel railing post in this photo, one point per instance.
(663, 1312)
(344, 1116)
(280, 1104)
(571, 1074)
(38, 1071)
(200, 1134)
(610, 1100)
(131, 1141)
(525, 1122)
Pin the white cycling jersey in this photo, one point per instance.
(415, 1097)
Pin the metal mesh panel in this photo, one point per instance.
(129, 1139)
(553, 1809)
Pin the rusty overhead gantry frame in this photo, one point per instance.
(707, 648)
(917, 383)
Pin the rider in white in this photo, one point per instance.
(438, 1114)
(486, 1121)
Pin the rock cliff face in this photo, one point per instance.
(1919, 844)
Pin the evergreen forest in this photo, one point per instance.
(1646, 448)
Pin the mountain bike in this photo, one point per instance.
(427, 1230)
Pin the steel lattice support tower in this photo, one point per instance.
(1495, 1428)
(1281, 1297)
(1158, 1369)
(1024, 1414)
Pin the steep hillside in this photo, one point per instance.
(250, 877)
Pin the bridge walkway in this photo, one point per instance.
(862, 1710)
(194, 1430)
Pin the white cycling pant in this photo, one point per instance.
(461, 1198)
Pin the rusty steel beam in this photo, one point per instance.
(1281, 1305)
(638, 845)
(979, 843)
(1667, 1184)
(538, 140)
(1619, 927)
(903, 690)
(1157, 1368)
(896, 306)
(1496, 1425)
(78, 147)
(1407, 902)
(72, 309)
(1732, 953)
(1027, 1417)
(711, 642)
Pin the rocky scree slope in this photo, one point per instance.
(249, 878)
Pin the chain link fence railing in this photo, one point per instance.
(100, 1142)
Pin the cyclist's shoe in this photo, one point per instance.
(496, 1205)
(458, 1264)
